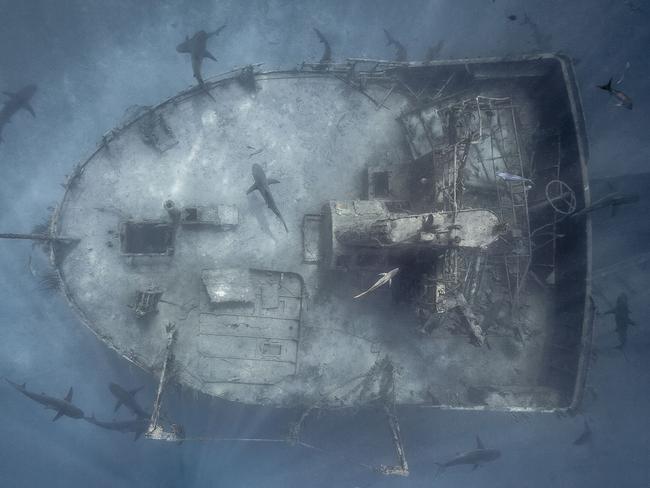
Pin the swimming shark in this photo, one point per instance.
(16, 101)
(196, 47)
(622, 100)
(434, 51)
(474, 458)
(127, 398)
(400, 53)
(385, 278)
(262, 185)
(612, 200)
(137, 426)
(585, 437)
(62, 407)
(327, 53)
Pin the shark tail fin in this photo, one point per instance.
(284, 223)
(606, 87)
(118, 404)
(217, 31)
(361, 294)
(16, 385)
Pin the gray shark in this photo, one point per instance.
(62, 407)
(474, 458)
(17, 101)
(612, 200)
(196, 47)
(137, 426)
(400, 50)
(585, 437)
(434, 51)
(622, 100)
(127, 398)
(262, 185)
(327, 52)
(384, 278)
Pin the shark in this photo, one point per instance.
(384, 278)
(474, 458)
(62, 407)
(622, 100)
(327, 52)
(585, 437)
(434, 51)
(16, 101)
(196, 47)
(127, 398)
(612, 200)
(138, 426)
(400, 50)
(262, 185)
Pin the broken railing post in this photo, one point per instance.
(156, 431)
(402, 468)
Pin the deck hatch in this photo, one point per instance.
(147, 238)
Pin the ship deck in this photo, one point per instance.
(300, 338)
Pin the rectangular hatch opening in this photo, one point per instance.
(147, 238)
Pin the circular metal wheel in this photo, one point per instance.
(561, 197)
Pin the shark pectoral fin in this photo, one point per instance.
(68, 397)
(252, 188)
(474, 467)
(118, 404)
(58, 415)
(272, 181)
(207, 54)
(29, 108)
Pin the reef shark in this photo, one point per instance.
(612, 200)
(384, 278)
(327, 50)
(62, 407)
(196, 47)
(127, 398)
(474, 458)
(622, 100)
(400, 50)
(16, 101)
(262, 185)
(137, 426)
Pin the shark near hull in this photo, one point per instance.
(62, 407)
(17, 101)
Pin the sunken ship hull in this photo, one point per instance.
(461, 174)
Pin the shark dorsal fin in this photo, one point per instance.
(479, 443)
(68, 397)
